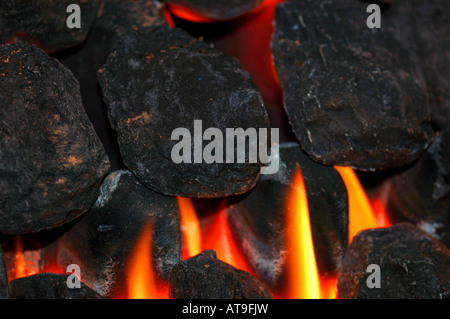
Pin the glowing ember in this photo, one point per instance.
(361, 213)
(142, 282)
(193, 16)
(188, 14)
(302, 270)
(168, 17)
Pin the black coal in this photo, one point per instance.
(52, 161)
(42, 22)
(206, 277)
(354, 96)
(160, 79)
(413, 265)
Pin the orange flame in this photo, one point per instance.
(302, 269)
(220, 238)
(217, 237)
(190, 228)
(19, 263)
(142, 281)
(24, 262)
(361, 213)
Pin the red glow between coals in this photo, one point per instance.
(250, 42)
(196, 17)
(188, 14)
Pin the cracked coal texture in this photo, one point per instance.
(425, 26)
(43, 22)
(354, 96)
(49, 286)
(218, 9)
(159, 79)
(102, 242)
(206, 277)
(51, 160)
(413, 265)
(258, 219)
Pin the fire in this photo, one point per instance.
(142, 281)
(188, 14)
(215, 234)
(190, 228)
(193, 16)
(168, 17)
(22, 266)
(361, 213)
(220, 239)
(303, 273)
(19, 267)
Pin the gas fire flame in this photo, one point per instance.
(303, 278)
(142, 282)
(302, 269)
(190, 228)
(20, 266)
(217, 236)
(362, 214)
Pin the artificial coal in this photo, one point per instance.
(49, 286)
(218, 9)
(258, 219)
(103, 241)
(354, 96)
(206, 277)
(43, 22)
(115, 18)
(160, 79)
(412, 265)
(51, 159)
(425, 27)
(420, 194)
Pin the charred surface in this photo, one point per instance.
(413, 265)
(354, 96)
(43, 22)
(116, 17)
(51, 160)
(206, 277)
(49, 286)
(421, 193)
(425, 27)
(159, 79)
